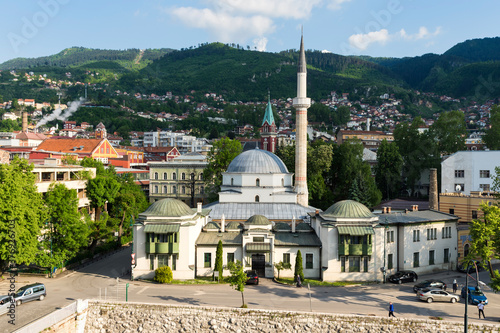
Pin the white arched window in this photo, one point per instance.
(257, 199)
(183, 176)
(174, 189)
(156, 175)
(232, 181)
(156, 189)
(165, 176)
(165, 190)
(174, 176)
(257, 182)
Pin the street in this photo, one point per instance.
(98, 281)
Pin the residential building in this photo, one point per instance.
(370, 139)
(98, 149)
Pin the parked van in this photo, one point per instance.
(5, 303)
(30, 292)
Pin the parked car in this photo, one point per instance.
(472, 268)
(431, 284)
(30, 292)
(253, 277)
(403, 276)
(436, 295)
(475, 296)
(5, 303)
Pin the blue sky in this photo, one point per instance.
(389, 28)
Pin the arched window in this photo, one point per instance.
(466, 250)
(256, 198)
(156, 189)
(165, 190)
(192, 175)
(174, 189)
(282, 182)
(201, 176)
(183, 176)
(202, 190)
(165, 176)
(232, 181)
(257, 182)
(156, 175)
(174, 176)
(184, 190)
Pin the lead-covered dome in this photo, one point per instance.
(348, 209)
(257, 161)
(169, 208)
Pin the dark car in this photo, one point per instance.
(403, 276)
(252, 277)
(431, 284)
(472, 268)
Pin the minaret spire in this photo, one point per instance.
(301, 104)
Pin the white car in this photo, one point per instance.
(5, 303)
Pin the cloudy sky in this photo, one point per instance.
(389, 28)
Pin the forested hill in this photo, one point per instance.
(246, 75)
(468, 69)
(78, 56)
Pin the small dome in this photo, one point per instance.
(212, 225)
(348, 209)
(234, 225)
(303, 226)
(258, 220)
(257, 161)
(169, 208)
(282, 226)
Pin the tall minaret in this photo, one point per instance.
(301, 104)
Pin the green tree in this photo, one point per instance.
(341, 116)
(23, 213)
(218, 259)
(219, 157)
(449, 131)
(492, 135)
(66, 232)
(299, 268)
(237, 279)
(281, 266)
(388, 169)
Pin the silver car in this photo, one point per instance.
(437, 295)
(5, 303)
(30, 293)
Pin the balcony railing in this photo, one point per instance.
(162, 248)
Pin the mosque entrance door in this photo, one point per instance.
(259, 264)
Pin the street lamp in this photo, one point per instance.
(385, 242)
(467, 291)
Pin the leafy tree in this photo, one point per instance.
(23, 212)
(492, 135)
(388, 169)
(218, 259)
(281, 266)
(237, 279)
(450, 132)
(163, 274)
(299, 268)
(66, 233)
(223, 151)
(341, 116)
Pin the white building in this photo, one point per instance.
(467, 171)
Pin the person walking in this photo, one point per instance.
(299, 282)
(480, 307)
(391, 310)
(455, 286)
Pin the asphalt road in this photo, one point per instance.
(99, 281)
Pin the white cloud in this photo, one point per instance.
(336, 4)
(295, 9)
(326, 51)
(225, 27)
(423, 33)
(260, 43)
(362, 41)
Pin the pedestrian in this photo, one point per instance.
(480, 307)
(299, 283)
(391, 310)
(455, 286)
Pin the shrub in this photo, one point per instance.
(163, 275)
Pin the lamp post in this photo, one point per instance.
(467, 292)
(385, 242)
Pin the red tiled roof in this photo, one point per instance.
(67, 145)
(30, 136)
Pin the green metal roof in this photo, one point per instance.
(212, 238)
(162, 228)
(355, 230)
(169, 208)
(234, 225)
(258, 247)
(282, 226)
(258, 220)
(212, 225)
(309, 239)
(303, 226)
(348, 209)
(268, 115)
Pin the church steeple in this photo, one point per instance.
(268, 130)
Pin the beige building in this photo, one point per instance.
(180, 178)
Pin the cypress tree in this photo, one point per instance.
(218, 259)
(299, 269)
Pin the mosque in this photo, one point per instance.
(263, 218)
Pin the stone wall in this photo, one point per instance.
(132, 317)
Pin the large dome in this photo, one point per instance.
(257, 161)
(169, 208)
(348, 209)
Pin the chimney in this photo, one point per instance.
(25, 121)
(433, 190)
(223, 223)
(198, 210)
(388, 210)
(293, 224)
(384, 210)
(416, 208)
